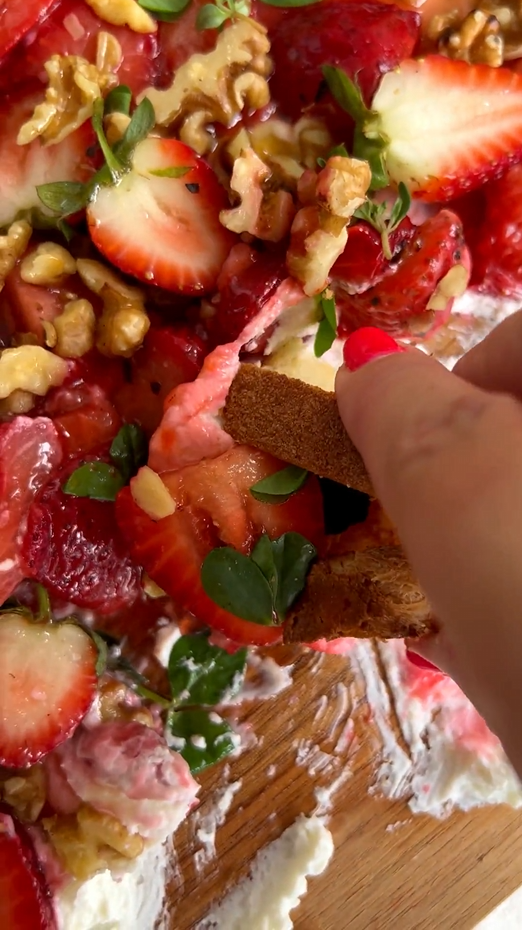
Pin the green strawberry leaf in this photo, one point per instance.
(64, 197)
(200, 673)
(170, 172)
(129, 450)
(142, 122)
(201, 737)
(114, 164)
(211, 17)
(96, 480)
(279, 487)
(165, 10)
(235, 583)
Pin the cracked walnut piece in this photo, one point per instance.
(12, 247)
(74, 85)
(264, 213)
(215, 87)
(124, 322)
(318, 234)
(477, 39)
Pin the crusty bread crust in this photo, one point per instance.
(294, 421)
(363, 594)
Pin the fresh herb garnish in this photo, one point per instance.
(202, 674)
(97, 480)
(327, 329)
(118, 100)
(372, 149)
(64, 198)
(382, 219)
(260, 587)
(213, 15)
(102, 481)
(277, 488)
(164, 10)
(202, 738)
(170, 172)
(337, 150)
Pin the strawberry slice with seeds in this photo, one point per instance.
(25, 897)
(72, 546)
(446, 126)
(16, 19)
(24, 167)
(47, 684)
(161, 228)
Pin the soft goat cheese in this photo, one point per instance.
(277, 880)
(107, 902)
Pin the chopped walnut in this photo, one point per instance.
(30, 368)
(318, 234)
(124, 13)
(289, 149)
(91, 841)
(12, 247)
(47, 265)
(264, 213)
(215, 87)
(477, 39)
(18, 402)
(150, 587)
(115, 125)
(118, 702)
(75, 329)
(124, 322)
(74, 85)
(25, 793)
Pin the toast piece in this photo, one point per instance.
(370, 593)
(294, 421)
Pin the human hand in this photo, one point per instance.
(444, 451)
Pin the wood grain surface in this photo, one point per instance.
(390, 871)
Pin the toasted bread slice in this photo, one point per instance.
(363, 594)
(294, 421)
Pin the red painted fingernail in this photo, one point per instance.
(366, 344)
(417, 660)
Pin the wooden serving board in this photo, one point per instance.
(391, 870)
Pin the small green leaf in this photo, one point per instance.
(400, 207)
(346, 93)
(129, 450)
(287, 4)
(373, 151)
(64, 197)
(292, 555)
(211, 17)
(118, 100)
(166, 10)
(263, 556)
(170, 172)
(103, 652)
(235, 583)
(97, 480)
(200, 673)
(113, 163)
(339, 150)
(277, 488)
(202, 738)
(327, 329)
(142, 122)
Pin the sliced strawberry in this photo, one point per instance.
(72, 28)
(246, 283)
(214, 506)
(72, 546)
(415, 284)
(25, 898)
(16, 19)
(163, 230)
(447, 126)
(497, 255)
(170, 355)
(363, 262)
(26, 166)
(364, 39)
(181, 39)
(47, 684)
(29, 452)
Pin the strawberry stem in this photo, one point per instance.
(44, 605)
(385, 239)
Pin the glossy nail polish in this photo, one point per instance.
(367, 344)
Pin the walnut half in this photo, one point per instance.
(477, 39)
(215, 87)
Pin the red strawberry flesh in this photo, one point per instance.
(25, 898)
